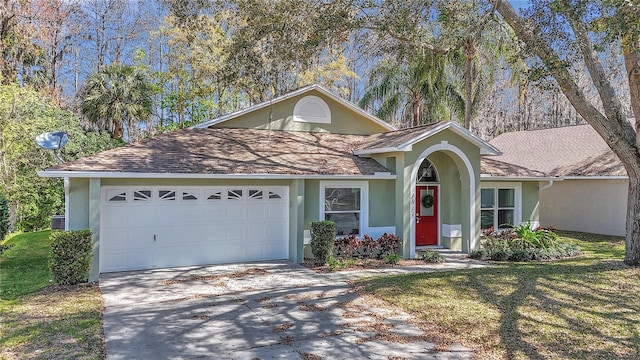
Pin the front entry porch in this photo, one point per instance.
(442, 202)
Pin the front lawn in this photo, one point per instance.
(41, 321)
(580, 308)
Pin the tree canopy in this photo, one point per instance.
(24, 114)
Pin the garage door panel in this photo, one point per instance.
(277, 212)
(235, 212)
(193, 226)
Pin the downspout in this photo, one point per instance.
(66, 203)
(546, 186)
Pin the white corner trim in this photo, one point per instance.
(66, 203)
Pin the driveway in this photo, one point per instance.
(267, 310)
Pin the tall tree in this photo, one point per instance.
(24, 114)
(414, 93)
(563, 31)
(117, 98)
(446, 27)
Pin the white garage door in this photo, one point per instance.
(155, 227)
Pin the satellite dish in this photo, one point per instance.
(53, 141)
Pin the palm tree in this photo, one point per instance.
(117, 97)
(417, 92)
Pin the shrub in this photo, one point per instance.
(70, 257)
(432, 256)
(334, 264)
(4, 217)
(323, 235)
(388, 244)
(392, 258)
(368, 246)
(346, 247)
(522, 243)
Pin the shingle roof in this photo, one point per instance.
(399, 139)
(396, 138)
(494, 167)
(567, 151)
(234, 151)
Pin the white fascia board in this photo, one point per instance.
(382, 150)
(485, 177)
(606, 177)
(132, 175)
(300, 91)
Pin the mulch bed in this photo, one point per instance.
(361, 264)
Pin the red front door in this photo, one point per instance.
(426, 215)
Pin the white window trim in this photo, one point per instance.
(364, 199)
(517, 216)
(320, 119)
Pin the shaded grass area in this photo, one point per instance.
(581, 308)
(40, 321)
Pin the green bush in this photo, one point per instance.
(4, 217)
(323, 235)
(70, 257)
(432, 256)
(392, 258)
(523, 244)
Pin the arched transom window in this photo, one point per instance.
(427, 172)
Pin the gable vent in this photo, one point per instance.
(312, 109)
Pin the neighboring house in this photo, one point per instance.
(247, 186)
(589, 193)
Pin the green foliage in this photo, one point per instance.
(24, 114)
(533, 238)
(71, 254)
(24, 266)
(392, 258)
(334, 264)
(118, 97)
(388, 244)
(4, 217)
(323, 235)
(432, 256)
(523, 244)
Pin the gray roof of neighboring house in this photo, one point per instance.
(234, 151)
(567, 151)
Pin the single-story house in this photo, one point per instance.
(247, 186)
(590, 192)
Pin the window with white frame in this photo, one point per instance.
(344, 203)
(500, 206)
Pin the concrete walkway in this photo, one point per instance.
(269, 310)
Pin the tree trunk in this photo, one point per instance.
(470, 53)
(614, 129)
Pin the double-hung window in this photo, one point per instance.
(344, 203)
(500, 206)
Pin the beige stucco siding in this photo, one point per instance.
(343, 120)
(593, 206)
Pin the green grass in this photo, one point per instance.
(41, 321)
(23, 268)
(581, 308)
